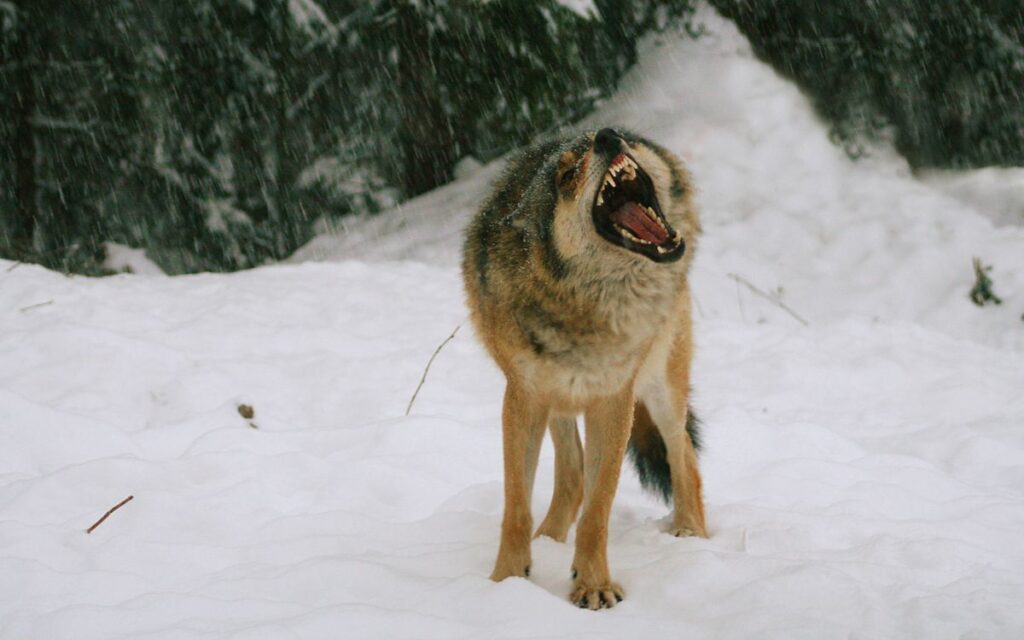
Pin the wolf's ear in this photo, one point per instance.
(568, 173)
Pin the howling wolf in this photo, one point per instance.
(575, 273)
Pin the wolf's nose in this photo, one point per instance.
(607, 142)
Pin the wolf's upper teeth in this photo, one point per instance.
(654, 216)
(609, 180)
(623, 166)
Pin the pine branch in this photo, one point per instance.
(981, 293)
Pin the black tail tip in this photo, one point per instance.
(651, 460)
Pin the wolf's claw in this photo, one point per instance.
(594, 598)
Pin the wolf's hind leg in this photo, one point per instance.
(522, 428)
(568, 493)
(670, 417)
(687, 498)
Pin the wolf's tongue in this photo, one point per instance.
(632, 216)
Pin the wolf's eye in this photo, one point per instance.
(567, 177)
(566, 174)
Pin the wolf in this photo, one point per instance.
(575, 271)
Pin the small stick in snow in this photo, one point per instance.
(739, 301)
(107, 514)
(696, 302)
(13, 266)
(423, 378)
(36, 306)
(770, 298)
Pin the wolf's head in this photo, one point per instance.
(617, 192)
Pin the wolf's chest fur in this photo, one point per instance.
(598, 334)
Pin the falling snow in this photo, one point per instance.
(864, 459)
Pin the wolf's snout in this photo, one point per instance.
(608, 142)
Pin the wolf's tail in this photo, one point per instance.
(647, 451)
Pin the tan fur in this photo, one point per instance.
(579, 325)
(568, 493)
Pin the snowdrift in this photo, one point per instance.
(864, 460)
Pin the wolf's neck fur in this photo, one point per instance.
(633, 296)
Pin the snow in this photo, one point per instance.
(124, 259)
(997, 192)
(308, 15)
(466, 167)
(583, 8)
(864, 473)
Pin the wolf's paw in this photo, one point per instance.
(511, 569)
(686, 531)
(555, 531)
(594, 597)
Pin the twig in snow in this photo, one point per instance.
(696, 302)
(107, 514)
(739, 302)
(36, 306)
(423, 378)
(770, 298)
(13, 266)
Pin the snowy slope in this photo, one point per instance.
(864, 472)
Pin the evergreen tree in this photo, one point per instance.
(215, 132)
(946, 78)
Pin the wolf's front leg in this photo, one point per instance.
(522, 426)
(608, 423)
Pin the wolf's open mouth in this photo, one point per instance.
(626, 213)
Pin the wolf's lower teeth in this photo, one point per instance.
(626, 233)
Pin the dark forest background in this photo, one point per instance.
(215, 133)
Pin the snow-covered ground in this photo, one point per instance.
(864, 469)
